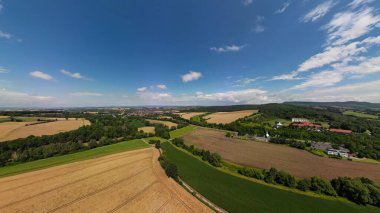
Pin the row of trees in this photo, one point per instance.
(359, 190)
(104, 130)
(213, 158)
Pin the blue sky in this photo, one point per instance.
(201, 52)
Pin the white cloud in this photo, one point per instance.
(339, 71)
(1, 6)
(283, 8)
(228, 48)
(321, 79)
(248, 96)
(81, 94)
(245, 81)
(356, 3)
(191, 76)
(142, 89)
(247, 2)
(349, 25)
(258, 24)
(3, 70)
(333, 54)
(5, 35)
(15, 98)
(318, 12)
(76, 75)
(39, 74)
(162, 86)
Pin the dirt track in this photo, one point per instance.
(265, 155)
(126, 182)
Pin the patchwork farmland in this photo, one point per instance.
(188, 115)
(265, 155)
(125, 182)
(166, 123)
(15, 130)
(147, 129)
(228, 117)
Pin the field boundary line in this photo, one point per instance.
(201, 197)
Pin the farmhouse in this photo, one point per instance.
(336, 152)
(341, 131)
(299, 120)
(307, 124)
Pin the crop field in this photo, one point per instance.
(15, 130)
(297, 162)
(124, 182)
(182, 131)
(236, 194)
(147, 129)
(166, 123)
(360, 114)
(227, 117)
(188, 115)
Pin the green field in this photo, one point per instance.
(78, 156)
(183, 131)
(196, 118)
(236, 194)
(360, 114)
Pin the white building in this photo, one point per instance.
(299, 120)
(336, 152)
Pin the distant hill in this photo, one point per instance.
(354, 105)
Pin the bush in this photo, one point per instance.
(251, 172)
(321, 186)
(303, 185)
(170, 168)
(359, 190)
(158, 144)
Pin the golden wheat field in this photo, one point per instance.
(166, 123)
(227, 117)
(125, 182)
(147, 129)
(15, 130)
(188, 115)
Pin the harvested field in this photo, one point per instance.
(125, 182)
(297, 162)
(189, 115)
(166, 123)
(227, 117)
(147, 129)
(15, 130)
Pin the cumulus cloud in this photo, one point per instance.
(248, 96)
(228, 48)
(162, 86)
(142, 89)
(283, 8)
(41, 75)
(76, 75)
(258, 24)
(247, 2)
(191, 76)
(14, 98)
(318, 12)
(5, 35)
(81, 94)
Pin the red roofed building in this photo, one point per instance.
(341, 131)
(307, 124)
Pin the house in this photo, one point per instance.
(307, 124)
(341, 131)
(340, 152)
(278, 125)
(299, 120)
